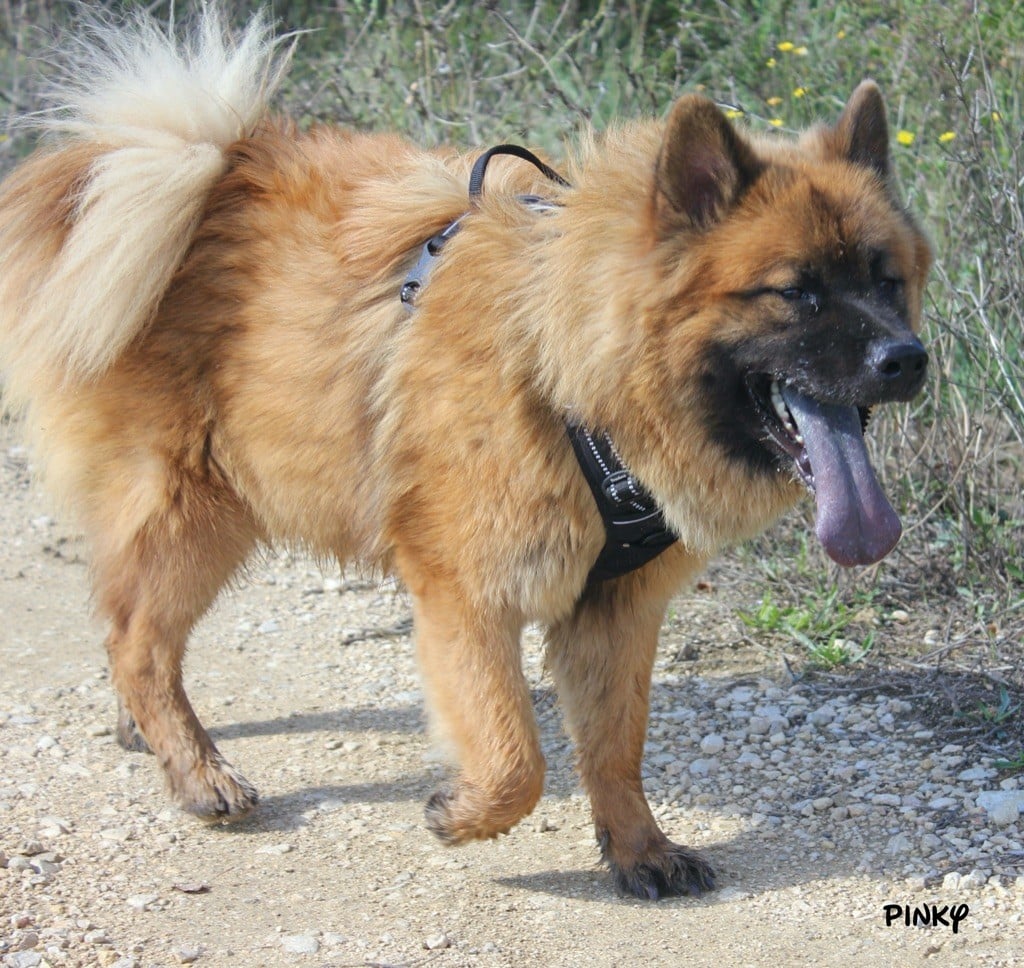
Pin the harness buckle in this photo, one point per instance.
(618, 487)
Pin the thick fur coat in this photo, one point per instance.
(200, 318)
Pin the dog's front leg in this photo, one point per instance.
(480, 708)
(602, 657)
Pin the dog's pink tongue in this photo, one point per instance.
(855, 522)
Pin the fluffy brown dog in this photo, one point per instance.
(200, 317)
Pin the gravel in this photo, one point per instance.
(817, 809)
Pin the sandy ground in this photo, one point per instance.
(308, 685)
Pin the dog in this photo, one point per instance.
(544, 400)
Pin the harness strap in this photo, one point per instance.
(634, 525)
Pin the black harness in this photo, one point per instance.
(634, 525)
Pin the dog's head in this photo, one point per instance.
(788, 304)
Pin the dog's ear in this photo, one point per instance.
(861, 134)
(702, 167)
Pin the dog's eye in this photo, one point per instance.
(796, 294)
(890, 287)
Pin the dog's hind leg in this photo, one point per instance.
(601, 658)
(155, 575)
(480, 707)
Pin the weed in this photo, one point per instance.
(823, 628)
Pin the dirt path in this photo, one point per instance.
(816, 813)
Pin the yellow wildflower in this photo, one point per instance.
(946, 137)
(800, 92)
(733, 113)
(773, 102)
(771, 62)
(800, 51)
(904, 137)
(776, 122)
(786, 46)
(841, 35)
(996, 116)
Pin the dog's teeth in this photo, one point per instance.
(782, 411)
(778, 403)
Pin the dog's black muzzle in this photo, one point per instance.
(894, 369)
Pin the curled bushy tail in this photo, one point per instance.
(93, 226)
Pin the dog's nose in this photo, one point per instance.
(899, 365)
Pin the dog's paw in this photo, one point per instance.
(213, 791)
(672, 871)
(128, 735)
(438, 816)
(456, 816)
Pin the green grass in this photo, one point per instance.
(826, 628)
(953, 74)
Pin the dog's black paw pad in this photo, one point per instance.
(677, 872)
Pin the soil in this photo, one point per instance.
(308, 684)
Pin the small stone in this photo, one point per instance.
(704, 766)
(300, 944)
(43, 866)
(436, 942)
(269, 627)
(187, 954)
(974, 880)
(899, 615)
(96, 936)
(758, 725)
(975, 773)
(1004, 814)
(822, 803)
(951, 882)
(712, 744)
(142, 902)
(886, 800)
(23, 959)
(821, 716)
(1002, 806)
(898, 844)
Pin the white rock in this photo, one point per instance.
(141, 902)
(712, 744)
(300, 944)
(1002, 806)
